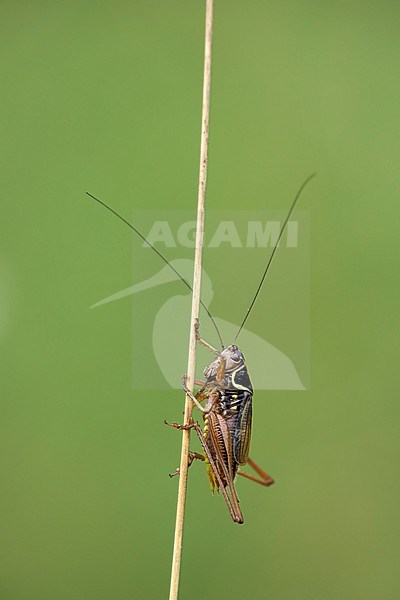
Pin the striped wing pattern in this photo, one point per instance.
(242, 434)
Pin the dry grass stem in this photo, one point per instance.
(180, 513)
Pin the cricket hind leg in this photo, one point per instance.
(263, 477)
(232, 503)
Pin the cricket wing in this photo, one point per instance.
(242, 434)
(225, 463)
(219, 441)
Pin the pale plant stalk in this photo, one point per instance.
(183, 469)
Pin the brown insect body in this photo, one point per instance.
(227, 420)
(227, 414)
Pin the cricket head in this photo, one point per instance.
(231, 356)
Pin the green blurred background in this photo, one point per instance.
(106, 96)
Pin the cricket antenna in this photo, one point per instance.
(246, 316)
(114, 212)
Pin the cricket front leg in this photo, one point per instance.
(200, 340)
(263, 479)
(199, 397)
